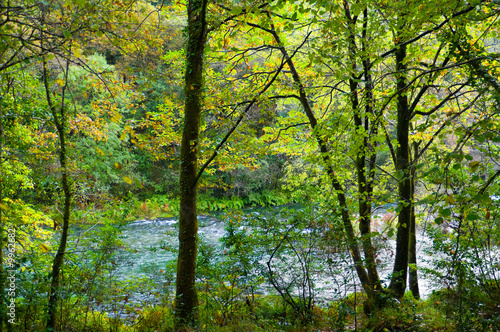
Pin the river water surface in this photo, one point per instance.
(146, 238)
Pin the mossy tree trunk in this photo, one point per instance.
(412, 258)
(186, 300)
(400, 271)
(60, 121)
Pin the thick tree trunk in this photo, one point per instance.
(399, 275)
(186, 300)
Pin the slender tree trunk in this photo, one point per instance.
(362, 125)
(60, 123)
(412, 258)
(399, 275)
(371, 128)
(59, 258)
(325, 153)
(186, 300)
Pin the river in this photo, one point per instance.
(148, 238)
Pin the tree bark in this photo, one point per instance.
(412, 255)
(325, 154)
(399, 274)
(186, 300)
(362, 125)
(60, 123)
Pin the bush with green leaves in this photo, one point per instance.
(465, 237)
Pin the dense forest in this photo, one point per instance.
(305, 165)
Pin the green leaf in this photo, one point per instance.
(445, 212)
(439, 220)
(67, 34)
(237, 10)
(473, 165)
(472, 216)
(449, 199)
(391, 232)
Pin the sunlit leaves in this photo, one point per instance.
(473, 165)
(31, 225)
(128, 180)
(450, 199)
(43, 247)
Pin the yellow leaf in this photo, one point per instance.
(77, 52)
(4, 207)
(44, 248)
(128, 180)
(118, 166)
(449, 199)
(116, 117)
(100, 151)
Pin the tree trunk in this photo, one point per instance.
(362, 124)
(412, 258)
(325, 153)
(60, 123)
(186, 300)
(399, 275)
(59, 258)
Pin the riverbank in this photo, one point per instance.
(163, 207)
(230, 310)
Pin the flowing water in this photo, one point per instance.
(149, 238)
(151, 255)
